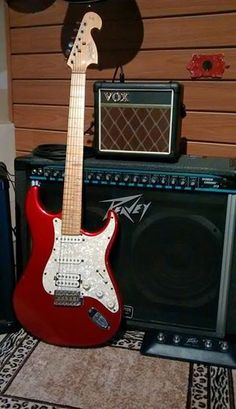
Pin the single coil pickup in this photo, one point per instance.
(71, 239)
(65, 260)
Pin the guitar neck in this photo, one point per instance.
(73, 180)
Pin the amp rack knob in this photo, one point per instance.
(163, 180)
(89, 175)
(144, 179)
(99, 176)
(108, 177)
(117, 177)
(135, 178)
(126, 178)
(173, 181)
(154, 180)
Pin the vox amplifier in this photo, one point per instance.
(139, 120)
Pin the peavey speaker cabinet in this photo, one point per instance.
(137, 120)
(175, 254)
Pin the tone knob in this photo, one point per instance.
(208, 344)
(154, 179)
(144, 179)
(99, 293)
(163, 180)
(176, 339)
(192, 182)
(224, 346)
(98, 176)
(161, 337)
(86, 285)
(117, 177)
(111, 304)
(182, 181)
(89, 176)
(108, 177)
(126, 178)
(173, 181)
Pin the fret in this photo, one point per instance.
(73, 180)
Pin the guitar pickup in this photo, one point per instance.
(66, 298)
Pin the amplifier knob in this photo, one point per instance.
(154, 179)
(126, 178)
(193, 182)
(208, 344)
(224, 346)
(89, 176)
(46, 173)
(117, 177)
(176, 339)
(98, 176)
(173, 181)
(108, 177)
(144, 179)
(161, 337)
(163, 180)
(182, 181)
(135, 179)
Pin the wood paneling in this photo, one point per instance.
(157, 34)
(57, 12)
(152, 40)
(202, 126)
(147, 65)
(202, 96)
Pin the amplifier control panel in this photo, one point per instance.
(153, 179)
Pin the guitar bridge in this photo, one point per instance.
(66, 298)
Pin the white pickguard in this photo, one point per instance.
(77, 263)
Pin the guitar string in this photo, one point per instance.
(75, 129)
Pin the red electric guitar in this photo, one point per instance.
(67, 294)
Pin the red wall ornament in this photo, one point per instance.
(203, 65)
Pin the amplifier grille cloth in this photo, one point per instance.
(135, 129)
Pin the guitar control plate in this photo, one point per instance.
(98, 318)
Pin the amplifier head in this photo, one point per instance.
(138, 119)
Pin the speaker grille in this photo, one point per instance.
(139, 130)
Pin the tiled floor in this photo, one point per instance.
(2, 336)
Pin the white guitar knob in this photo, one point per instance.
(86, 286)
(99, 293)
(111, 304)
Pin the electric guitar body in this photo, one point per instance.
(67, 294)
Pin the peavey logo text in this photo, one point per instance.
(116, 96)
(129, 206)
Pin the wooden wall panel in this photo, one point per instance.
(153, 40)
(157, 34)
(57, 12)
(147, 65)
(202, 96)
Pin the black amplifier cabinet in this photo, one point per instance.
(7, 271)
(175, 254)
(137, 120)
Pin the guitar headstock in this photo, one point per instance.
(84, 50)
